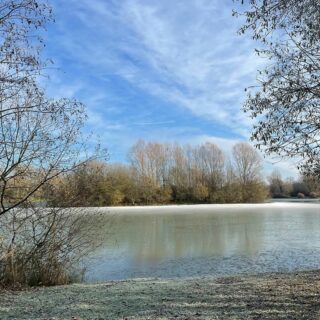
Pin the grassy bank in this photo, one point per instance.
(269, 296)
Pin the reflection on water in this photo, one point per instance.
(207, 242)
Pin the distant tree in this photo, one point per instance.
(313, 185)
(86, 185)
(248, 170)
(299, 187)
(287, 101)
(231, 191)
(150, 161)
(210, 162)
(163, 173)
(276, 185)
(121, 185)
(179, 174)
(288, 186)
(144, 168)
(248, 163)
(200, 193)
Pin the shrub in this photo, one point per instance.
(44, 246)
(313, 195)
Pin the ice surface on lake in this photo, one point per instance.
(217, 240)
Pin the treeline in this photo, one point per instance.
(163, 173)
(305, 186)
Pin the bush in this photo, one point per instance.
(313, 195)
(116, 198)
(200, 192)
(44, 246)
(19, 268)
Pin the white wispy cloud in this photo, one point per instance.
(152, 123)
(196, 58)
(186, 52)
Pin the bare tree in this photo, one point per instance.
(36, 147)
(211, 162)
(276, 184)
(40, 139)
(20, 48)
(248, 163)
(286, 101)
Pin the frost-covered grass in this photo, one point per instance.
(269, 296)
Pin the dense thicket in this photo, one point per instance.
(161, 173)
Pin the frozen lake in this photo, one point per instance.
(217, 240)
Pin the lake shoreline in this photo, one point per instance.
(294, 295)
(211, 206)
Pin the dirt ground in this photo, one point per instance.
(267, 296)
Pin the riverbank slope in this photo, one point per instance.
(264, 296)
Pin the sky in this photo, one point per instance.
(168, 71)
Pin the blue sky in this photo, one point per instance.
(159, 70)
